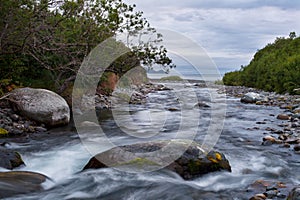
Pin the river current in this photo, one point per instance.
(62, 157)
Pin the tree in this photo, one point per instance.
(52, 37)
(292, 35)
(276, 67)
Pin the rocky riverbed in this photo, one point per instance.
(259, 140)
(287, 135)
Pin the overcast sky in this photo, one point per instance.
(231, 31)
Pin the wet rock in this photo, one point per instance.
(40, 129)
(283, 117)
(153, 155)
(271, 193)
(202, 105)
(286, 145)
(269, 139)
(260, 122)
(258, 197)
(10, 159)
(15, 117)
(297, 148)
(89, 124)
(296, 110)
(294, 194)
(268, 189)
(41, 105)
(172, 109)
(251, 97)
(20, 182)
(137, 98)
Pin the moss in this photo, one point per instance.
(140, 162)
(194, 166)
(3, 132)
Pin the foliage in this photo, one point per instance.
(171, 78)
(276, 67)
(47, 40)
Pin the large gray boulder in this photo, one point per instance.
(190, 163)
(20, 182)
(41, 105)
(251, 97)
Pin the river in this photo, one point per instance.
(62, 155)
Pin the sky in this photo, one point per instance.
(230, 31)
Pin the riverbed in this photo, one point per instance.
(62, 153)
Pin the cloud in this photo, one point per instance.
(231, 31)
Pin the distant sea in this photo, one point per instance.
(188, 72)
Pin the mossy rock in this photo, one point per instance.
(10, 159)
(3, 132)
(184, 157)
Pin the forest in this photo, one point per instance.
(43, 42)
(276, 67)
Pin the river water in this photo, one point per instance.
(62, 155)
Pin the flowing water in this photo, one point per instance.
(62, 155)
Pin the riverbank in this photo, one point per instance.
(287, 134)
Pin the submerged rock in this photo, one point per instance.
(41, 105)
(192, 163)
(10, 159)
(20, 182)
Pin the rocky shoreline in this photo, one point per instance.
(287, 135)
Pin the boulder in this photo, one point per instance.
(190, 164)
(10, 159)
(20, 182)
(41, 105)
(294, 194)
(251, 97)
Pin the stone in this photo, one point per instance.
(172, 109)
(269, 138)
(10, 159)
(258, 197)
(283, 117)
(296, 110)
(202, 105)
(40, 129)
(294, 194)
(297, 148)
(184, 157)
(20, 182)
(41, 105)
(251, 97)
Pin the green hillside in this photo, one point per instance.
(276, 67)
